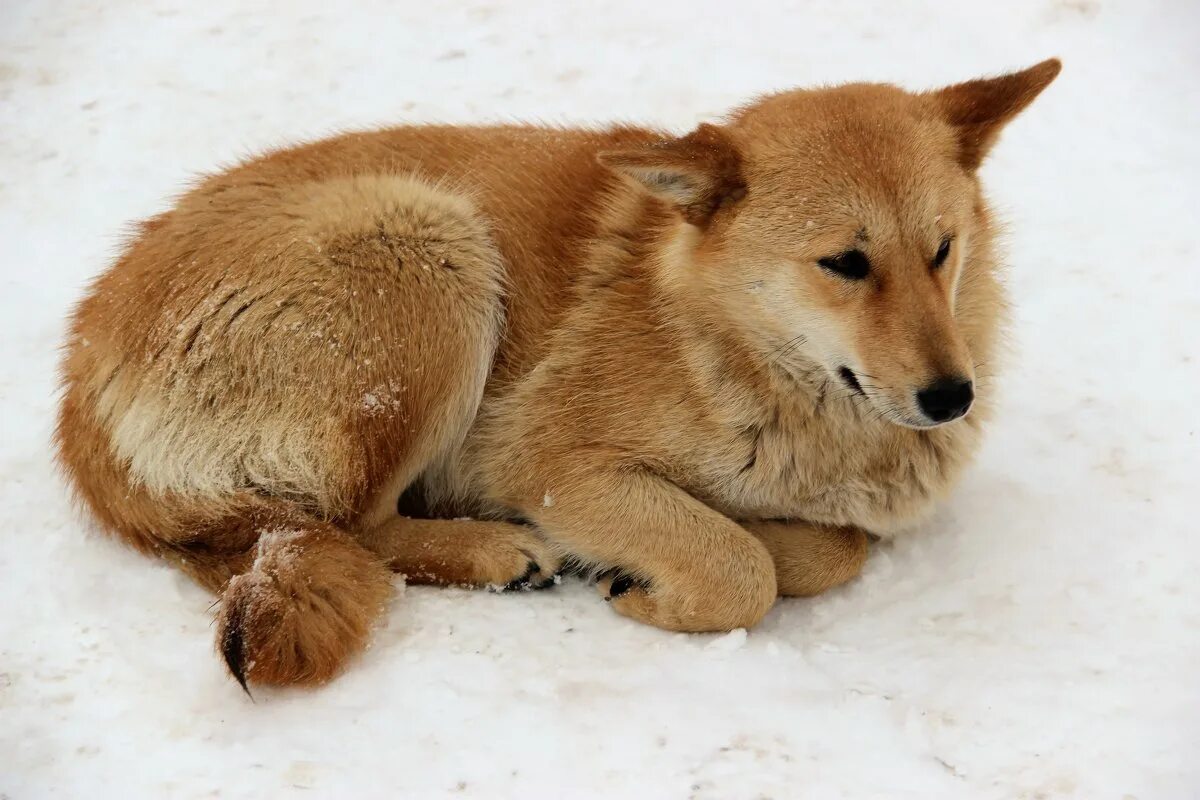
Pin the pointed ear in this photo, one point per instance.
(980, 109)
(696, 173)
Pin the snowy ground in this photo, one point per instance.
(1039, 638)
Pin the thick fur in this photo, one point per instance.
(614, 346)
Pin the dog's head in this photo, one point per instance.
(833, 227)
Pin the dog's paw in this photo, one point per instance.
(614, 583)
(525, 563)
(535, 576)
(681, 608)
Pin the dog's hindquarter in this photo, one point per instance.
(279, 356)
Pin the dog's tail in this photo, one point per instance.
(298, 596)
(304, 606)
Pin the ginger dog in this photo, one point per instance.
(703, 366)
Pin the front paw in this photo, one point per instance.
(691, 607)
(615, 583)
(535, 576)
(525, 563)
(809, 559)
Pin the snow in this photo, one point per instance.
(1038, 638)
(727, 643)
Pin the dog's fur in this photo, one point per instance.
(614, 346)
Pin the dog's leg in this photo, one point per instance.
(685, 567)
(464, 552)
(811, 558)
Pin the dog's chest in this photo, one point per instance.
(831, 464)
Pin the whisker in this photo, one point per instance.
(736, 287)
(787, 347)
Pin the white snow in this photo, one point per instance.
(728, 642)
(1038, 638)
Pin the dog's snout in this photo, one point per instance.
(946, 399)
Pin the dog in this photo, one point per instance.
(705, 367)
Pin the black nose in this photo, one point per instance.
(946, 399)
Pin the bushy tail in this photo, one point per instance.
(306, 604)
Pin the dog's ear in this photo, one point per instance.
(979, 109)
(696, 173)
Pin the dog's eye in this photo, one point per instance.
(851, 264)
(942, 253)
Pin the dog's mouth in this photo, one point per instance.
(851, 380)
(886, 408)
